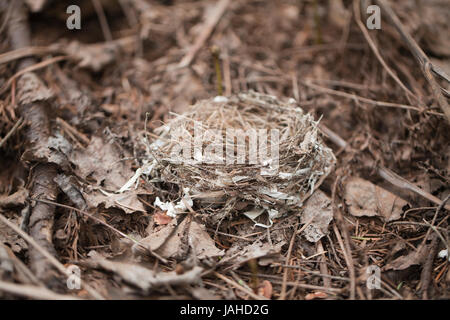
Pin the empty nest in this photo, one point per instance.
(278, 182)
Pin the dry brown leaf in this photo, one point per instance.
(413, 258)
(157, 239)
(102, 162)
(318, 208)
(202, 243)
(239, 254)
(127, 201)
(169, 241)
(363, 198)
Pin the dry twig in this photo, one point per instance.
(207, 29)
(357, 12)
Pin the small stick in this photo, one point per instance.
(239, 287)
(103, 21)
(401, 182)
(207, 29)
(10, 133)
(74, 131)
(425, 276)
(357, 11)
(25, 52)
(348, 260)
(33, 67)
(323, 265)
(253, 265)
(296, 284)
(438, 209)
(367, 100)
(288, 257)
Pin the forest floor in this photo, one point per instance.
(79, 108)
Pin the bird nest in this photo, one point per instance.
(249, 153)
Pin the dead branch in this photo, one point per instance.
(35, 114)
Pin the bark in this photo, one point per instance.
(36, 114)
